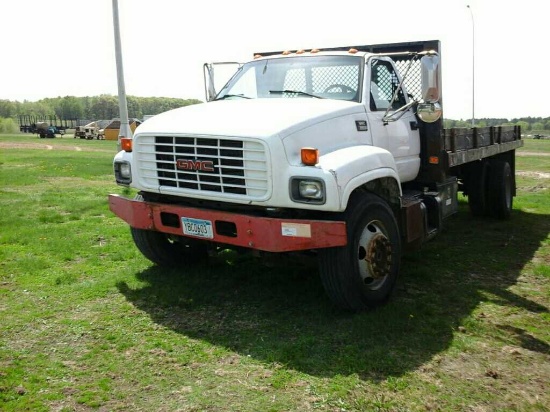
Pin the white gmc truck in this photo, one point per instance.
(340, 151)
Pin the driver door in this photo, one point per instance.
(400, 135)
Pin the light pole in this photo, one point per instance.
(125, 130)
(473, 66)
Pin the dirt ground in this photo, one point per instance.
(43, 146)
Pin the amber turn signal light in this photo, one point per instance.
(310, 156)
(126, 144)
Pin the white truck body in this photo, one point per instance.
(340, 151)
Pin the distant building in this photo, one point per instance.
(113, 129)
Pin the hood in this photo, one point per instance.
(249, 118)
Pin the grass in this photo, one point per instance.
(88, 324)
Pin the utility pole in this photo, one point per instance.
(473, 66)
(124, 130)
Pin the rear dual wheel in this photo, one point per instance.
(490, 188)
(500, 189)
(477, 188)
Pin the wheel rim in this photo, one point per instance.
(374, 255)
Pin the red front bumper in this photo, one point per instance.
(261, 233)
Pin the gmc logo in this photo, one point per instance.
(195, 165)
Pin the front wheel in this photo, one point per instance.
(363, 273)
(166, 250)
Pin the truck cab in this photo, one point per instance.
(368, 88)
(352, 109)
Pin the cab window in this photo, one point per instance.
(384, 82)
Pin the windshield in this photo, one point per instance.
(321, 77)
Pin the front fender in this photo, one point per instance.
(354, 166)
(123, 156)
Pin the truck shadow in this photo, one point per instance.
(278, 312)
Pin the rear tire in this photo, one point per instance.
(363, 273)
(477, 188)
(500, 189)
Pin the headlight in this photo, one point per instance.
(307, 190)
(125, 170)
(310, 190)
(123, 173)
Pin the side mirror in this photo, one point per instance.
(431, 78)
(209, 81)
(429, 112)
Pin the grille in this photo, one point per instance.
(227, 166)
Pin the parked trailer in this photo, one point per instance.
(339, 151)
(35, 125)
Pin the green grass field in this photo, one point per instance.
(87, 323)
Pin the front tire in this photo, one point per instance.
(166, 250)
(363, 273)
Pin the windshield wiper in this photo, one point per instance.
(242, 96)
(295, 92)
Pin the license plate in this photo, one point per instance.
(197, 227)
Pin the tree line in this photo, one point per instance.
(100, 107)
(528, 124)
(105, 107)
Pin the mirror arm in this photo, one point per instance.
(401, 110)
(387, 118)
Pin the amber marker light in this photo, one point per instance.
(352, 51)
(126, 144)
(434, 160)
(310, 156)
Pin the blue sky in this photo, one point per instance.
(56, 48)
